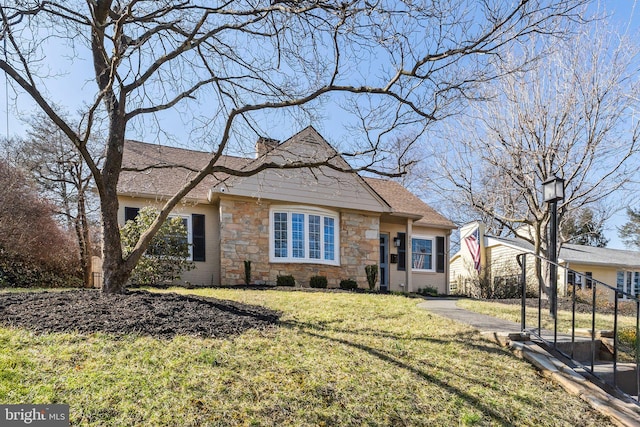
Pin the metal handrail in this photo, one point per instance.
(595, 285)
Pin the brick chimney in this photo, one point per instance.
(264, 145)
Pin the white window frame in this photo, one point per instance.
(306, 211)
(189, 231)
(433, 255)
(628, 282)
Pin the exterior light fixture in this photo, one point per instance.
(553, 189)
(553, 192)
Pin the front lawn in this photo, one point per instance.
(334, 359)
(512, 312)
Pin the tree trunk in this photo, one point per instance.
(116, 271)
(84, 242)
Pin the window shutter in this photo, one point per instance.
(402, 252)
(440, 254)
(130, 214)
(197, 233)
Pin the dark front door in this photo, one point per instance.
(384, 262)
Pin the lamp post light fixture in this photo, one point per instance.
(553, 192)
(553, 189)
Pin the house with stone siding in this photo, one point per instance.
(300, 222)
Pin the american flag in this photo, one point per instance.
(473, 244)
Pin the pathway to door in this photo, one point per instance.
(447, 307)
(626, 414)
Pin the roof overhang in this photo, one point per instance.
(407, 215)
(161, 197)
(598, 263)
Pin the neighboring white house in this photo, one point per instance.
(580, 264)
(299, 222)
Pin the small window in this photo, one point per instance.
(422, 253)
(194, 225)
(130, 214)
(589, 282)
(158, 249)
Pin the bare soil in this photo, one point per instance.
(160, 315)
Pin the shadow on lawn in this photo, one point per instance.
(310, 330)
(464, 338)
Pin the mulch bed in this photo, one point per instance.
(136, 312)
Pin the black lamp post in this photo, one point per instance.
(553, 191)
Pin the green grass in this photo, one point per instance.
(604, 322)
(512, 312)
(335, 359)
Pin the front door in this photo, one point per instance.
(384, 262)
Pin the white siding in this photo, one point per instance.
(322, 186)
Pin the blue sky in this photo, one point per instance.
(68, 90)
(625, 14)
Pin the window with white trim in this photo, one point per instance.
(304, 235)
(195, 226)
(186, 222)
(628, 283)
(422, 253)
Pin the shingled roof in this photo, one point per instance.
(582, 254)
(160, 171)
(404, 202)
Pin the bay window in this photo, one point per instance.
(304, 235)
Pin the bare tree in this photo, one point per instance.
(228, 65)
(61, 174)
(570, 115)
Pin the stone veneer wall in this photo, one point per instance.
(244, 235)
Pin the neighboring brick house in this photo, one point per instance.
(302, 222)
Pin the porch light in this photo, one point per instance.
(396, 242)
(553, 189)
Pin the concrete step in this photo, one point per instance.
(581, 349)
(625, 376)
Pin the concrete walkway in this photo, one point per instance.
(447, 307)
(506, 333)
